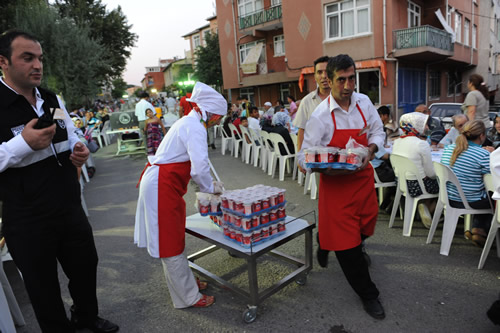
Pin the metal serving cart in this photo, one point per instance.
(202, 228)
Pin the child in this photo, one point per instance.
(152, 130)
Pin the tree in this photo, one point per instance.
(109, 28)
(71, 58)
(208, 67)
(119, 88)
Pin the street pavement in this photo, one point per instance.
(421, 290)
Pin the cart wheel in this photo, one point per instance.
(250, 314)
(301, 280)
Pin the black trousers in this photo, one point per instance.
(36, 245)
(355, 269)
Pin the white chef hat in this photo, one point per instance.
(268, 104)
(208, 99)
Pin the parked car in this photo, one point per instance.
(444, 111)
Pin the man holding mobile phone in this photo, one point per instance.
(43, 219)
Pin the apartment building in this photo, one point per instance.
(197, 37)
(406, 52)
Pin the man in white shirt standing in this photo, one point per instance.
(312, 100)
(347, 204)
(171, 104)
(140, 112)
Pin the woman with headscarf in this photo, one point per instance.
(470, 162)
(413, 145)
(160, 218)
(476, 102)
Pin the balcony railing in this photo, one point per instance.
(422, 36)
(260, 17)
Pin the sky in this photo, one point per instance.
(159, 25)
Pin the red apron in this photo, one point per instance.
(347, 204)
(173, 179)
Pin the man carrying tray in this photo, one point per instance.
(347, 203)
(161, 211)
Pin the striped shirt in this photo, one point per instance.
(469, 167)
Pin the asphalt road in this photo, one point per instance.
(421, 290)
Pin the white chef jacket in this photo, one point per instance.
(17, 153)
(141, 107)
(187, 141)
(319, 129)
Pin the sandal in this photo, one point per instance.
(201, 285)
(204, 301)
(479, 240)
(468, 234)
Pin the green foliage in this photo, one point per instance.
(119, 88)
(71, 58)
(109, 28)
(208, 67)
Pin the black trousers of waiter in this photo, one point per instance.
(37, 244)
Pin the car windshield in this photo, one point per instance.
(445, 110)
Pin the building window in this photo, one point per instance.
(434, 84)
(196, 41)
(474, 32)
(248, 94)
(458, 27)
(279, 45)
(454, 83)
(245, 49)
(347, 18)
(368, 83)
(247, 7)
(466, 32)
(413, 15)
(275, 3)
(448, 15)
(284, 91)
(205, 35)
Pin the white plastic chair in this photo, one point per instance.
(402, 166)
(105, 128)
(283, 159)
(226, 141)
(266, 152)
(295, 168)
(256, 148)
(445, 175)
(311, 184)
(495, 225)
(247, 147)
(96, 134)
(380, 185)
(217, 128)
(236, 142)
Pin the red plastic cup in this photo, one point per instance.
(255, 221)
(264, 218)
(273, 215)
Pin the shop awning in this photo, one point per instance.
(249, 65)
(359, 65)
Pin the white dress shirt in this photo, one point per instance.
(319, 129)
(17, 153)
(307, 105)
(141, 107)
(187, 141)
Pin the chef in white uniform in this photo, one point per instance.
(161, 211)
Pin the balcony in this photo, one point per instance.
(260, 17)
(422, 43)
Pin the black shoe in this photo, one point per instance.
(374, 308)
(98, 325)
(213, 146)
(322, 256)
(366, 256)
